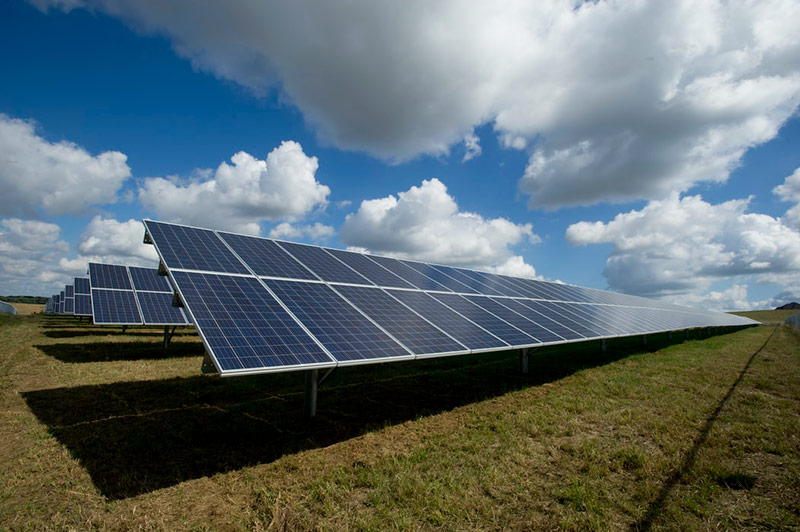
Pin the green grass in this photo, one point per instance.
(106, 430)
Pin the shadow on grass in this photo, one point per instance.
(112, 351)
(73, 332)
(136, 437)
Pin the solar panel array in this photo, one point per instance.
(83, 297)
(128, 295)
(263, 305)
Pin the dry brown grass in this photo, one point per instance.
(104, 430)
(26, 309)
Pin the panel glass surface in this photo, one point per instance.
(83, 305)
(593, 314)
(369, 269)
(69, 290)
(498, 283)
(550, 330)
(518, 321)
(69, 305)
(193, 249)
(149, 279)
(244, 327)
(325, 265)
(109, 276)
(265, 257)
(410, 275)
(448, 320)
(157, 309)
(411, 330)
(344, 331)
(487, 320)
(82, 285)
(114, 307)
(469, 280)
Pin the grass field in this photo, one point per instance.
(100, 429)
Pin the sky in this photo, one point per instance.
(650, 148)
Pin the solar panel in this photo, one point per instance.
(192, 248)
(465, 331)
(408, 274)
(69, 290)
(245, 328)
(69, 305)
(157, 309)
(266, 258)
(325, 265)
(370, 269)
(109, 276)
(344, 331)
(262, 305)
(417, 334)
(498, 327)
(83, 305)
(115, 307)
(148, 279)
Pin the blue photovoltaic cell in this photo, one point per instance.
(439, 277)
(448, 320)
(114, 307)
(265, 257)
(408, 274)
(496, 282)
(411, 330)
(325, 265)
(69, 290)
(490, 304)
(193, 249)
(157, 309)
(83, 305)
(369, 269)
(552, 330)
(590, 314)
(566, 327)
(344, 331)
(82, 285)
(244, 327)
(69, 306)
(109, 276)
(148, 279)
(487, 320)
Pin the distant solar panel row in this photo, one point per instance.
(264, 305)
(128, 295)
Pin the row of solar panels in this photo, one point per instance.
(263, 305)
(119, 295)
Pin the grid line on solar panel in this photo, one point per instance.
(551, 329)
(115, 307)
(109, 276)
(265, 257)
(411, 330)
(441, 278)
(497, 283)
(468, 333)
(70, 290)
(344, 331)
(324, 265)
(148, 279)
(69, 305)
(157, 309)
(370, 269)
(408, 274)
(490, 304)
(192, 248)
(590, 314)
(244, 327)
(82, 285)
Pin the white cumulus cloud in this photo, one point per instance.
(315, 232)
(56, 177)
(27, 248)
(238, 196)
(613, 100)
(790, 191)
(679, 246)
(425, 223)
(116, 241)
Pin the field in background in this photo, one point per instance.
(104, 429)
(28, 308)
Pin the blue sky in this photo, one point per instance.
(618, 143)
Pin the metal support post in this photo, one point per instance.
(603, 345)
(310, 400)
(644, 340)
(168, 335)
(687, 334)
(124, 328)
(669, 336)
(523, 361)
